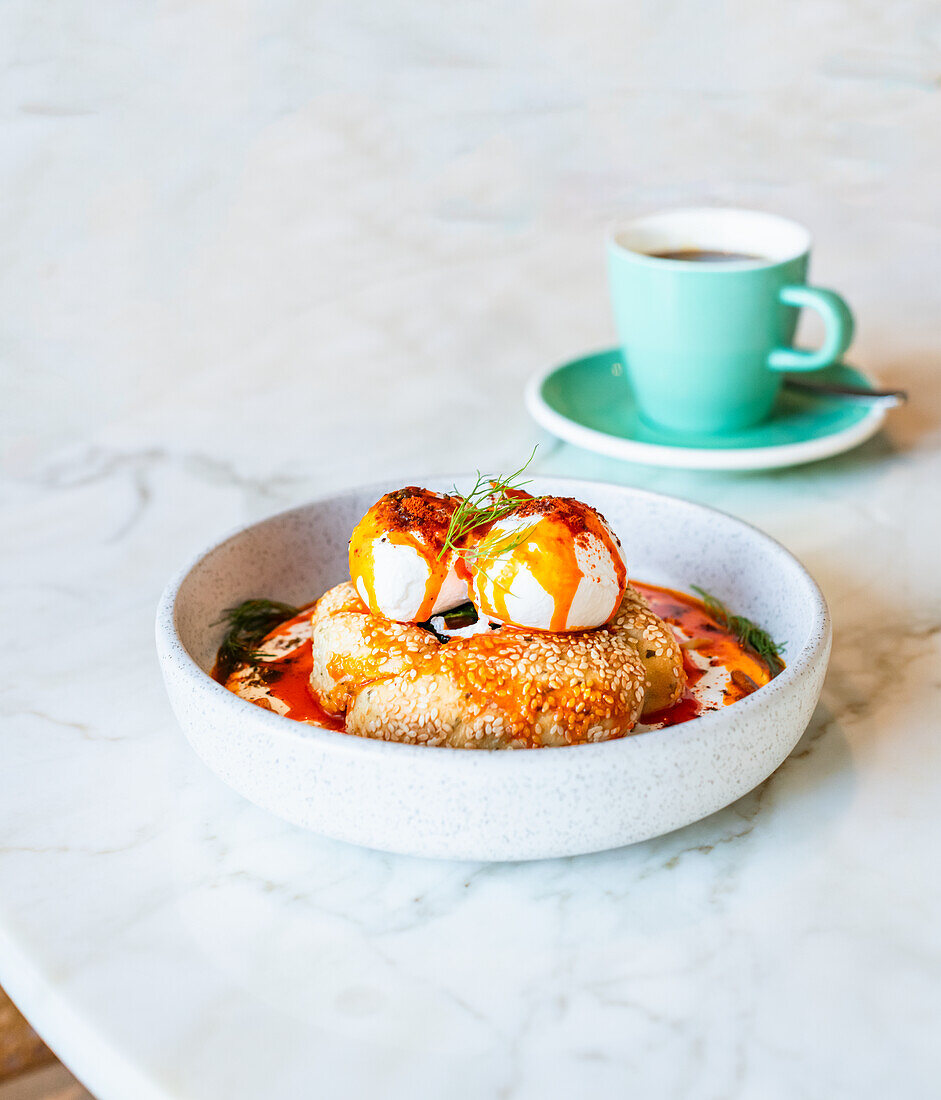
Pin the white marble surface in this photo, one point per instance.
(257, 252)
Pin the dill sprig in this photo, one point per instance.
(491, 499)
(751, 635)
(247, 625)
(499, 544)
(496, 546)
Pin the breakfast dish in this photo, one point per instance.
(292, 759)
(491, 620)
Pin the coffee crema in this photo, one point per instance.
(705, 256)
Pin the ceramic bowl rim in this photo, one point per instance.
(172, 650)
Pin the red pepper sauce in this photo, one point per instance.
(712, 642)
(288, 678)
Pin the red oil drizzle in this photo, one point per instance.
(288, 679)
(711, 640)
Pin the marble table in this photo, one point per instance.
(250, 258)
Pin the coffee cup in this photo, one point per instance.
(706, 303)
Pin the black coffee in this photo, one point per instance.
(703, 256)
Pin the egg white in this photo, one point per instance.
(400, 579)
(530, 604)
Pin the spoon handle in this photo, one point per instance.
(852, 393)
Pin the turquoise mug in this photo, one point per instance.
(706, 334)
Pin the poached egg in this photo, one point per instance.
(552, 564)
(397, 559)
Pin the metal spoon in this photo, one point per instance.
(851, 393)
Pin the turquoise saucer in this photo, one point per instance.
(588, 402)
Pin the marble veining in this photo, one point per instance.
(256, 255)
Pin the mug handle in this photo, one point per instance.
(839, 329)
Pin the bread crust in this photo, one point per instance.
(504, 689)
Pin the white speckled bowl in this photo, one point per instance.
(528, 804)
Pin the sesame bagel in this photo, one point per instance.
(657, 648)
(352, 647)
(504, 689)
(508, 689)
